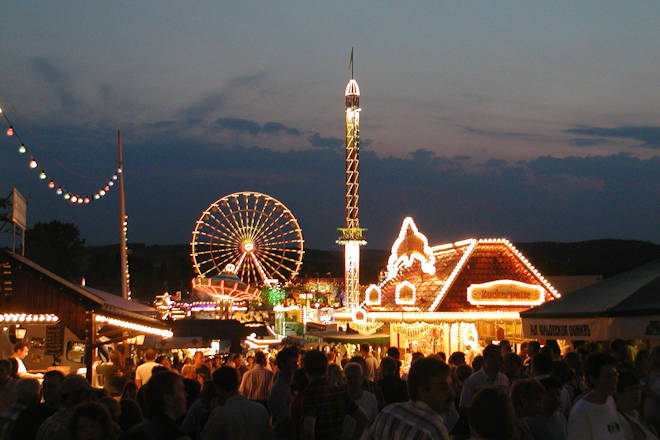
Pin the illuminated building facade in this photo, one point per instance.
(452, 296)
(351, 234)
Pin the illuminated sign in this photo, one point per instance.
(505, 293)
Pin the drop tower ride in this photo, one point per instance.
(352, 234)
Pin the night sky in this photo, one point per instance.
(527, 120)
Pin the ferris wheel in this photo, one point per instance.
(251, 235)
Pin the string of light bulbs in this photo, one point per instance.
(70, 196)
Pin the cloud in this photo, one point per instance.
(648, 135)
(238, 125)
(462, 157)
(47, 71)
(503, 134)
(495, 163)
(588, 142)
(279, 128)
(330, 142)
(205, 107)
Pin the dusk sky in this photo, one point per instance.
(534, 121)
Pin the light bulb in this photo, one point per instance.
(97, 196)
(107, 188)
(33, 164)
(87, 200)
(114, 177)
(42, 175)
(111, 183)
(74, 199)
(22, 149)
(10, 131)
(67, 196)
(80, 200)
(51, 184)
(59, 191)
(102, 192)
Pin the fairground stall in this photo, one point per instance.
(64, 323)
(449, 297)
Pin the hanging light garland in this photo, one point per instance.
(418, 330)
(70, 196)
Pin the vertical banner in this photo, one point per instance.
(18, 209)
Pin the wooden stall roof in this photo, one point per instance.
(38, 290)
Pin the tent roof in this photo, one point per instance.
(634, 292)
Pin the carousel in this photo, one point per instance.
(449, 297)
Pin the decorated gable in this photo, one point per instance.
(466, 275)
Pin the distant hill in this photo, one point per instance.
(156, 268)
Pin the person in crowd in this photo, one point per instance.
(512, 367)
(298, 385)
(281, 397)
(199, 411)
(488, 375)
(324, 405)
(91, 421)
(237, 360)
(576, 387)
(652, 399)
(143, 372)
(166, 403)
(533, 348)
(29, 421)
(73, 391)
(457, 358)
(550, 423)
(7, 385)
(130, 391)
(622, 354)
(236, 417)
(364, 399)
(431, 394)
(595, 415)
(491, 414)
(198, 359)
(566, 378)
(21, 351)
(188, 372)
(256, 382)
(393, 387)
(505, 347)
(441, 355)
(370, 362)
(164, 361)
(526, 397)
(130, 414)
(192, 385)
(336, 375)
(477, 362)
(541, 366)
(113, 375)
(628, 399)
(369, 385)
(114, 409)
(28, 392)
(395, 354)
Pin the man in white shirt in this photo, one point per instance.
(595, 417)
(256, 382)
(488, 375)
(143, 372)
(21, 351)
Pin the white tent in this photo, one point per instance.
(625, 306)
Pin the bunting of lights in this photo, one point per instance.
(73, 197)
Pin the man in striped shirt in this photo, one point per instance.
(256, 382)
(431, 394)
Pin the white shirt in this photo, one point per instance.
(479, 380)
(256, 383)
(368, 403)
(592, 421)
(143, 372)
(21, 366)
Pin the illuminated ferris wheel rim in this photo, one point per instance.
(250, 234)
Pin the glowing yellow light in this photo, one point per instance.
(372, 296)
(408, 255)
(408, 286)
(431, 317)
(9, 318)
(352, 88)
(495, 293)
(134, 326)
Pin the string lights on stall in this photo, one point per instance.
(72, 197)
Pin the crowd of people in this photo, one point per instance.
(592, 392)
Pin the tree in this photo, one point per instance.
(56, 246)
(273, 295)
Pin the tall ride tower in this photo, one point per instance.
(351, 233)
